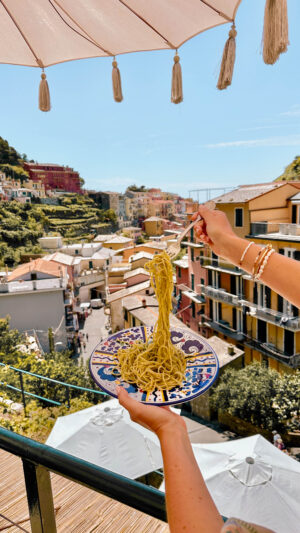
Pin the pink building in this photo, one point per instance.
(190, 276)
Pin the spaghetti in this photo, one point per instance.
(157, 364)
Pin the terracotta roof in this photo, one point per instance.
(38, 265)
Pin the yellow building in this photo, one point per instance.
(37, 187)
(153, 226)
(250, 314)
(118, 242)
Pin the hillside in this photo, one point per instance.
(21, 225)
(291, 172)
(11, 162)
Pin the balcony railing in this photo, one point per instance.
(273, 316)
(220, 294)
(269, 349)
(38, 459)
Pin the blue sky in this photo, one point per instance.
(246, 134)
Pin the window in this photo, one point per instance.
(232, 284)
(179, 272)
(90, 264)
(234, 318)
(279, 303)
(125, 315)
(294, 214)
(76, 252)
(261, 331)
(192, 282)
(192, 254)
(267, 297)
(214, 261)
(219, 311)
(210, 277)
(193, 310)
(255, 296)
(133, 321)
(202, 281)
(211, 309)
(238, 217)
(192, 235)
(288, 342)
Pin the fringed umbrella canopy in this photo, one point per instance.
(46, 32)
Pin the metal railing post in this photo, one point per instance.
(22, 392)
(39, 498)
(68, 397)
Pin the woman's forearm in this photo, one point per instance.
(281, 273)
(190, 508)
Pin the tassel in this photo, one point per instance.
(116, 82)
(44, 94)
(228, 59)
(276, 30)
(176, 92)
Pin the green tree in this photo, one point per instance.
(9, 340)
(250, 394)
(39, 420)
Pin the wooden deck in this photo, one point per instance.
(78, 509)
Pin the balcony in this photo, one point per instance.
(274, 229)
(270, 350)
(220, 294)
(87, 277)
(224, 328)
(272, 316)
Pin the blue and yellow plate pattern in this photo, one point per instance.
(201, 370)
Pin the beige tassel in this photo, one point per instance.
(176, 92)
(276, 30)
(44, 94)
(228, 59)
(116, 82)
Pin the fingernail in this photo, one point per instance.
(118, 389)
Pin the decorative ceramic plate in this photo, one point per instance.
(201, 370)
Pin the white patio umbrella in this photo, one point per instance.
(252, 480)
(105, 435)
(46, 32)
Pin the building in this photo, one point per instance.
(154, 226)
(139, 259)
(246, 313)
(107, 200)
(51, 242)
(133, 232)
(53, 176)
(36, 296)
(118, 242)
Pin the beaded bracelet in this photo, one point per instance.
(264, 263)
(244, 253)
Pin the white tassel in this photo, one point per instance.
(44, 94)
(116, 82)
(228, 60)
(276, 30)
(176, 92)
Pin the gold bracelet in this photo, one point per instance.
(264, 263)
(259, 260)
